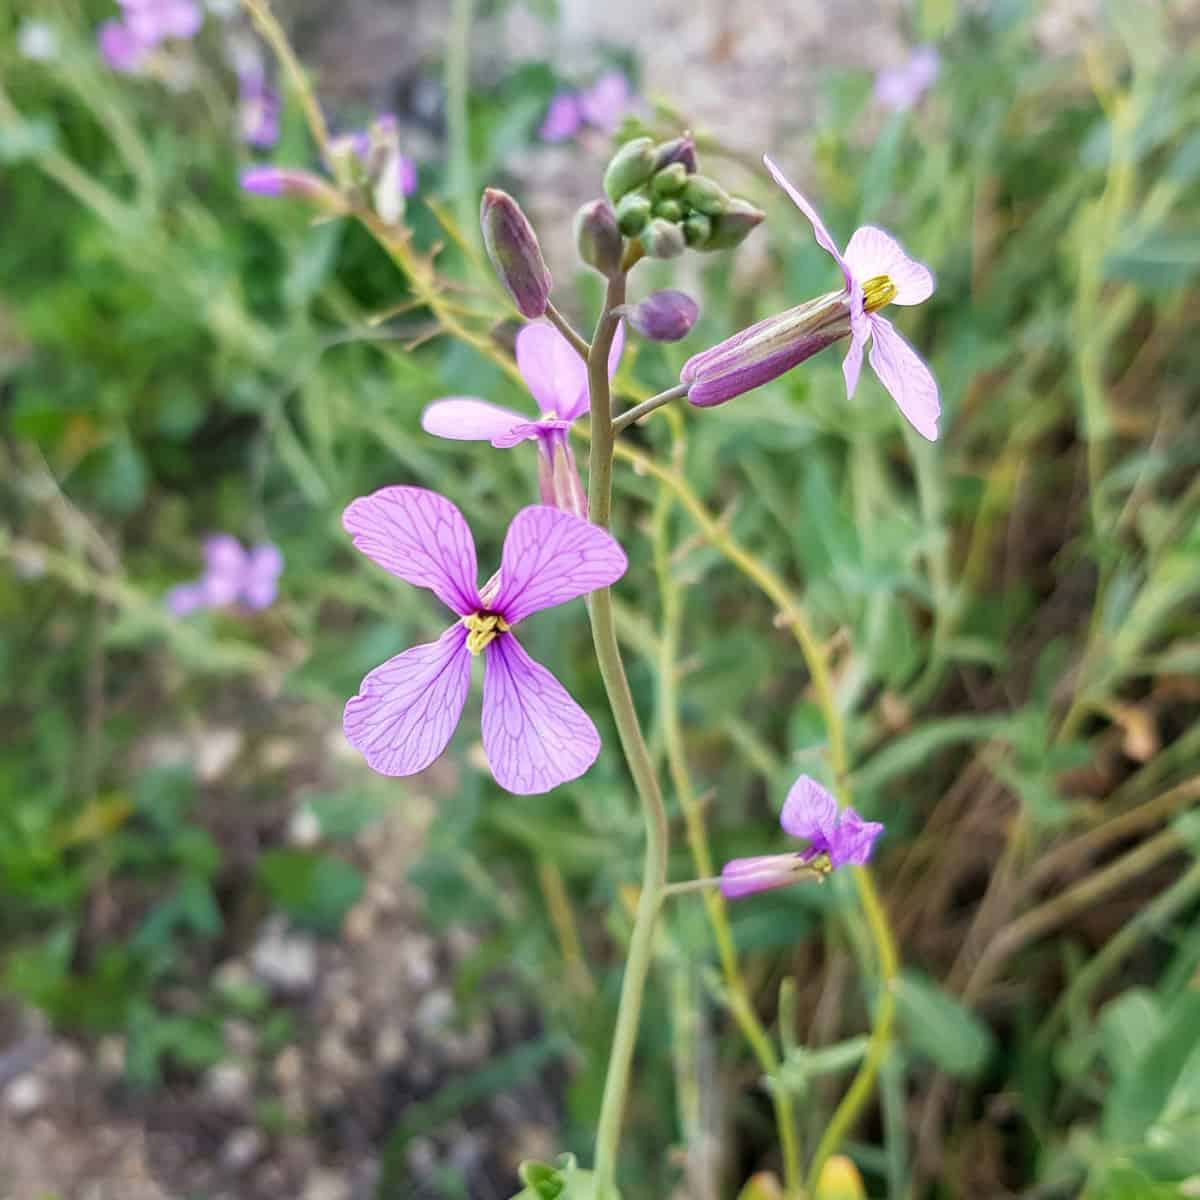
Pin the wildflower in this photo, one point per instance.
(600, 106)
(563, 119)
(901, 87)
(153, 21)
(836, 839)
(877, 272)
(514, 251)
(232, 575)
(557, 378)
(258, 110)
(121, 48)
(534, 735)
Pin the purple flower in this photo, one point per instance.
(258, 110)
(232, 575)
(878, 272)
(900, 87)
(563, 118)
(665, 316)
(153, 21)
(557, 378)
(836, 839)
(121, 48)
(606, 101)
(535, 736)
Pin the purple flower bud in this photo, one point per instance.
(766, 350)
(677, 150)
(287, 181)
(516, 256)
(744, 876)
(597, 237)
(664, 316)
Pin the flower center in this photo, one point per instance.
(484, 628)
(878, 292)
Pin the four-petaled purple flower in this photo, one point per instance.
(900, 87)
(557, 377)
(232, 575)
(602, 106)
(879, 272)
(836, 839)
(535, 736)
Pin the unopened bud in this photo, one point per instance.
(630, 167)
(664, 316)
(680, 150)
(662, 239)
(668, 209)
(731, 227)
(697, 229)
(705, 195)
(670, 181)
(516, 256)
(633, 212)
(284, 181)
(598, 238)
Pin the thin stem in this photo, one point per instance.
(638, 411)
(692, 885)
(612, 671)
(456, 74)
(579, 344)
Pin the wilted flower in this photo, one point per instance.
(836, 839)
(900, 87)
(557, 378)
(232, 575)
(664, 316)
(535, 736)
(515, 254)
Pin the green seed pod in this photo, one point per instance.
(670, 180)
(669, 210)
(705, 195)
(633, 212)
(731, 227)
(697, 229)
(662, 239)
(630, 167)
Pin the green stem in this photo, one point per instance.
(612, 671)
(457, 78)
(638, 411)
(579, 344)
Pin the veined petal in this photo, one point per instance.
(551, 368)
(407, 709)
(467, 419)
(421, 537)
(819, 231)
(852, 363)
(902, 371)
(535, 736)
(853, 840)
(528, 430)
(550, 557)
(809, 812)
(873, 251)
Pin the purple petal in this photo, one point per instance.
(186, 598)
(550, 557)
(904, 374)
(563, 118)
(123, 50)
(260, 584)
(421, 537)
(744, 876)
(853, 840)
(810, 812)
(819, 231)
(552, 370)
(224, 553)
(407, 709)
(528, 431)
(469, 420)
(606, 101)
(535, 736)
(873, 251)
(852, 363)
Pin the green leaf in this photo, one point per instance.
(941, 1028)
(314, 889)
(1165, 259)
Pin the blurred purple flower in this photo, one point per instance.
(601, 106)
(258, 110)
(557, 378)
(232, 575)
(563, 118)
(122, 50)
(836, 839)
(153, 21)
(534, 735)
(901, 87)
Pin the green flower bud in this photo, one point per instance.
(632, 213)
(662, 239)
(731, 227)
(598, 238)
(705, 195)
(697, 229)
(669, 210)
(513, 248)
(630, 167)
(670, 180)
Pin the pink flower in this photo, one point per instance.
(232, 575)
(836, 839)
(900, 87)
(563, 118)
(535, 736)
(258, 110)
(606, 101)
(878, 272)
(557, 377)
(121, 48)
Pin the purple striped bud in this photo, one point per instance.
(598, 239)
(516, 256)
(766, 350)
(744, 876)
(677, 150)
(664, 316)
(286, 181)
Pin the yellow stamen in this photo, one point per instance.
(878, 292)
(484, 629)
(821, 863)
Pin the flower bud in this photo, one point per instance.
(633, 212)
(744, 876)
(516, 256)
(705, 195)
(284, 181)
(678, 150)
(766, 350)
(664, 316)
(670, 181)
(598, 238)
(662, 239)
(668, 209)
(697, 229)
(731, 227)
(630, 167)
